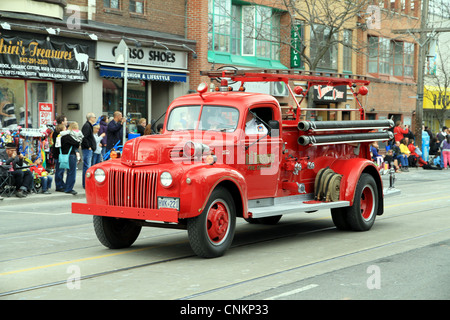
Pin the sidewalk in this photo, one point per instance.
(38, 198)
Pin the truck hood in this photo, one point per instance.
(147, 150)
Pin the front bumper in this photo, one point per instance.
(163, 215)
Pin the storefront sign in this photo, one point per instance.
(144, 56)
(330, 93)
(45, 113)
(135, 74)
(41, 59)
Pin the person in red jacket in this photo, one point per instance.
(39, 170)
(399, 131)
(413, 149)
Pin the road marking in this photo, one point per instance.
(414, 202)
(289, 293)
(34, 212)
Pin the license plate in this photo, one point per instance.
(170, 203)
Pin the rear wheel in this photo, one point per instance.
(211, 233)
(116, 233)
(361, 215)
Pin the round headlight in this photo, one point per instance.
(166, 179)
(99, 175)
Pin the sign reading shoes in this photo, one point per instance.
(42, 59)
(144, 56)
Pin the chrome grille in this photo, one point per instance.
(132, 188)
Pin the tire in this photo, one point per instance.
(116, 233)
(339, 216)
(211, 233)
(361, 216)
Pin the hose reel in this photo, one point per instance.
(327, 185)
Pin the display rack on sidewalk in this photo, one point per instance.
(30, 141)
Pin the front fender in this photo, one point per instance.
(203, 180)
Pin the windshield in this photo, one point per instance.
(216, 118)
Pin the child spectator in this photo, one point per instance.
(389, 158)
(39, 170)
(445, 147)
(97, 155)
(375, 155)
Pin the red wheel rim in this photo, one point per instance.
(367, 203)
(217, 222)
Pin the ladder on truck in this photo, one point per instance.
(312, 78)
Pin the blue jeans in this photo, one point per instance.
(46, 182)
(403, 160)
(87, 161)
(96, 158)
(59, 176)
(71, 173)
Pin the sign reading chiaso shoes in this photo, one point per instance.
(43, 59)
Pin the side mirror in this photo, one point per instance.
(275, 126)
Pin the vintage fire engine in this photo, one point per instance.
(232, 154)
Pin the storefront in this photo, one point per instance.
(155, 78)
(30, 65)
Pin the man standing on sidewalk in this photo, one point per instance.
(88, 144)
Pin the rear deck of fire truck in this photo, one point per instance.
(185, 179)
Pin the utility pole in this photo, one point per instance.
(421, 73)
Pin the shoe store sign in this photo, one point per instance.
(43, 59)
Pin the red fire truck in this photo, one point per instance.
(230, 154)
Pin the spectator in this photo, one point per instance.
(375, 155)
(404, 151)
(399, 131)
(97, 156)
(12, 160)
(445, 151)
(103, 127)
(141, 126)
(39, 170)
(61, 125)
(403, 159)
(148, 130)
(159, 128)
(88, 145)
(440, 138)
(389, 158)
(415, 156)
(71, 141)
(115, 130)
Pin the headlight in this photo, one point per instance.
(166, 179)
(99, 175)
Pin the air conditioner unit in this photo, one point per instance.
(279, 89)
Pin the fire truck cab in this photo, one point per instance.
(232, 154)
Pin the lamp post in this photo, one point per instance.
(122, 53)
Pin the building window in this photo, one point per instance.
(347, 40)
(246, 30)
(391, 57)
(319, 35)
(113, 4)
(137, 6)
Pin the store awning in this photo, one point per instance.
(141, 74)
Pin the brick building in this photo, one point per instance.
(219, 28)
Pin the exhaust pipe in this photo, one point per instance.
(344, 125)
(344, 138)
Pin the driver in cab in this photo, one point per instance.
(253, 126)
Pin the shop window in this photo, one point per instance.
(26, 103)
(136, 100)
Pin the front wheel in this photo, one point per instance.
(116, 233)
(211, 233)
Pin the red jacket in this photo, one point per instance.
(399, 132)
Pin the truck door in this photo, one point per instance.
(262, 153)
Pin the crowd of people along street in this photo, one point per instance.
(96, 140)
(401, 153)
